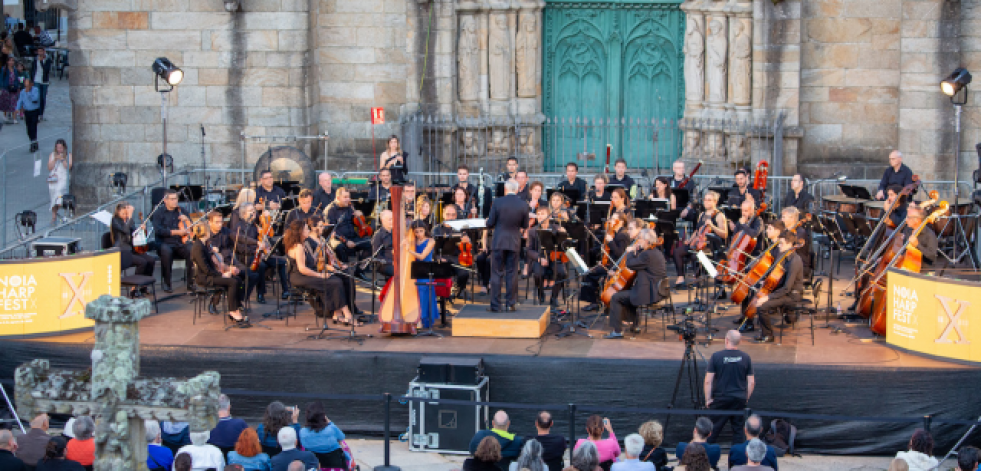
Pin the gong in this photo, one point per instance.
(289, 166)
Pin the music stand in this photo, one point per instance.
(681, 197)
(571, 194)
(733, 214)
(593, 212)
(855, 192)
(646, 209)
(569, 328)
(723, 192)
(432, 271)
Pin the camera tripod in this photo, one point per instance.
(689, 364)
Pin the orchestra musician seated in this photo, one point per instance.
(317, 244)
(717, 233)
(620, 176)
(409, 198)
(646, 260)
(512, 171)
(448, 250)
(222, 241)
(245, 195)
(421, 246)
(271, 194)
(325, 191)
(381, 246)
(572, 181)
(381, 190)
(798, 197)
(121, 235)
(599, 193)
(212, 271)
(743, 189)
(615, 245)
(349, 244)
(424, 211)
(791, 219)
(464, 204)
(463, 182)
(898, 214)
(523, 191)
(167, 221)
(662, 190)
(773, 231)
(330, 297)
(546, 263)
(246, 232)
(789, 292)
(897, 173)
(304, 209)
(926, 241)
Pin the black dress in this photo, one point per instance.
(398, 171)
(330, 292)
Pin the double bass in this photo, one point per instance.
(400, 311)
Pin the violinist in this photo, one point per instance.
(718, 232)
(645, 259)
(244, 229)
(599, 193)
(305, 209)
(448, 250)
(268, 192)
(926, 241)
(464, 205)
(773, 231)
(341, 215)
(380, 192)
(620, 176)
(330, 298)
(556, 207)
(167, 222)
(211, 271)
(549, 270)
(463, 181)
(381, 246)
(791, 218)
(121, 235)
(789, 291)
(534, 198)
(325, 192)
(743, 189)
(662, 190)
(798, 197)
(620, 202)
(222, 242)
(317, 244)
(424, 211)
(246, 195)
(572, 181)
(615, 244)
(511, 173)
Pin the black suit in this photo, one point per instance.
(207, 275)
(508, 216)
(651, 269)
(122, 237)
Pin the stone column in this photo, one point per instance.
(740, 64)
(717, 48)
(484, 62)
(694, 50)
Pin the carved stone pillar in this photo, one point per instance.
(527, 47)
(741, 64)
(499, 59)
(468, 59)
(694, 50)
(717, 48)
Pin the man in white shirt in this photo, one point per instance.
(633, 445)
(203, 455)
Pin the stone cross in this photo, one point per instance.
(112, 393)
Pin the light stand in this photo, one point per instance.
(163, 68)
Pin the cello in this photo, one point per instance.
(742, 245)
(758, 270)
(400, 311)
(907, 258)
(620, 279)
(613, 225)
(771, 282)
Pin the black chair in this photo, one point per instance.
(131, 282)
(664, 306)
(334, 459)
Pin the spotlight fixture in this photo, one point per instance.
(955, 82)
(118, 181)
(231, 5)
(166, 70)
(27, 219)
(68, 203)
(165, 161)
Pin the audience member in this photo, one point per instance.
(756, 452)
(752, 429)
(967, 458)
(703, 428)
(203, 455)
(82, 447)
(633, 445)
(510, 444)
(729, 383)
(608, 449)
(9, 462)
(54, 458)
(225, 434)
(158, 457)
(919, 457)
(32, 446)
(182, 462)
(277, 416)
(485, 457)
(290, 454)
(175, 435)
(297, 466)
(898, 465)
(653, 433)
(553, 444)
(531, 457)
(322, 437)
(584, 458)
(695, 458)
(234, 467)
(248, 452)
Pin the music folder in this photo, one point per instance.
(707, 264)
(577, 261)
(461, 224)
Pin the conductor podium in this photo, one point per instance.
(528, 322)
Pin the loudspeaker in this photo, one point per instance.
(446, 428)
(448, 370)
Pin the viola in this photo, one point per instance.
(361, 225)
(466, 253)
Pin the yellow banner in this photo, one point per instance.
(48, 295)
(932, 315)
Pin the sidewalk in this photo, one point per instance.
(23, 190)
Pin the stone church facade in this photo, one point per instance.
(851, 79)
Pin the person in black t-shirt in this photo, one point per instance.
(573, 182)
(743, 189)
(798, 197)
(270, 194)
(599, 191)
(553, 444)
(729, 383)
(620, 176)
(324, 195)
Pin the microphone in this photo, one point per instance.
(202, 131)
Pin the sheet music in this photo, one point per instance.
(707, 264)
(103, 217)
(461, 224)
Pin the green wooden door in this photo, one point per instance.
(612, 75)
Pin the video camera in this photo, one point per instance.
(686, 328)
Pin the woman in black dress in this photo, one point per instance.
(464, 207)
(121, 234)
(313, 245)
(211, 270)
(395, 160)
(331, 298)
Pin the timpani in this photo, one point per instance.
(843, 204)
(875, 209)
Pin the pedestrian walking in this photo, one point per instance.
(59, 165)
(30, 103)
(9, 90)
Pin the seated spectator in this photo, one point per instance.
(225, 434)
(703, 428)
(553, 444)
(510, 444)
(234, 467)
(530, 458)
(609, 448)
(920, 450)
(248, 452)
(967, 458)
(584, 458)
(277, 416)
(32, 446)
(322, 437)
(753, 428)
(175, 435)
(756, 452)
(82, 447)
(297, 466)
(290, 454)
(158, 457)
(54, 458)
(203, 455)
(485, 457)
(653, 433)
(695, 458)
(632, 446)
(182, 462)
(9, 462)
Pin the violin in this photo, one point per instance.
(699, 240)
(361, 225)
(265, 232)
(466, 253)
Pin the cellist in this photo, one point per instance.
(791, 218)
(926, 241)
(748, 223)
(773, 231)
(644, 258)
(718, 233)
(788, 292)
(616, 244)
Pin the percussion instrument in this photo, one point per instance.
(843, 204)
(946, 226)
(874, 209)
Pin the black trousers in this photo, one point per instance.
(504, 269)
(736, 421)
(144, 263)
(257, 279)
(234, 289)
(168, 252)
(483, 262)
(555, 271)
(462, 278)
(30, 119)
(360, 251)
(384, 271)
(592, 285)
(771, 310)
(621, 309)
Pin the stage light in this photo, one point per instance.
(165, 161)
(118, 181)
(955, 82)
(166, 70)
(68, 203)
(27, 219)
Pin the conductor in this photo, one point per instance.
(508, 217)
